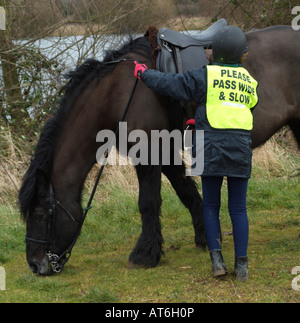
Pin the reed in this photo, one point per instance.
(279, 157)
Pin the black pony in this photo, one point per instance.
(94, 99)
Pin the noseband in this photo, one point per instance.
(57, 262)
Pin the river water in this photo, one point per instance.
(72, 50)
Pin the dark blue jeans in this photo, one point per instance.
(237, 193)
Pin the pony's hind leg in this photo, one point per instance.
(148, 249)
(187, 191)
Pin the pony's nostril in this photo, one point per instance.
(34, 268)
(40, 267)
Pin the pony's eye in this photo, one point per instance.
(39, 213)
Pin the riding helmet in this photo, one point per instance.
(229, 45)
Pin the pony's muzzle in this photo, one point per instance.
(42, 267)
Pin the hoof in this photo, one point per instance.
(201, 247)
(131, 265)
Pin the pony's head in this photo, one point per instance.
(51, 229)
(51, 226)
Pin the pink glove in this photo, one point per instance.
(139, 69)
(190, 124)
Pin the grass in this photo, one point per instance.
(97, 271)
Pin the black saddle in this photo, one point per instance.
(181, 52)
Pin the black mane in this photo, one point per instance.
(42, 159)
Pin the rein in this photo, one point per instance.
(57, 262)
(121, 60)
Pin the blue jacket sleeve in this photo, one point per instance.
(191, 86)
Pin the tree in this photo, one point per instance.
(12, 101)
(250, 14)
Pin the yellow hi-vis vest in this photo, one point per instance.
(231, 94)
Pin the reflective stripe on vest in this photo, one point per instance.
(231, 94)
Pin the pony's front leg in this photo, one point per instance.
(148, 249)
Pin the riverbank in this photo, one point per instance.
(179, 23)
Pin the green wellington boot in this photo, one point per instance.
(218, 266)
(241, 269)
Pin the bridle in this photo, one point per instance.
(57, 262)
